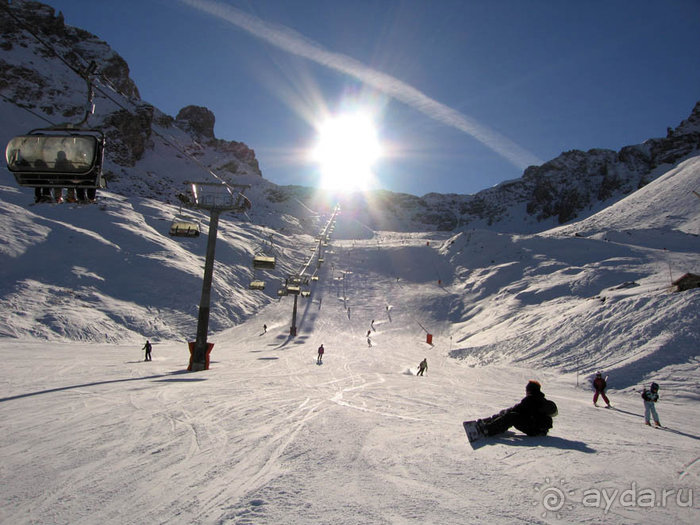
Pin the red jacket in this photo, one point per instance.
(599, 384)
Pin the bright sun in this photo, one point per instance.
(346, 150)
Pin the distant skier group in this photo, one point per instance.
(533, 415)
(650, 397)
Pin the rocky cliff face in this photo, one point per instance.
(23, 25)
(200, 122)
(575, 184)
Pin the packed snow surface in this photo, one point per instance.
(93, 434)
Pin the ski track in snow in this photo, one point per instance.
(92, 434)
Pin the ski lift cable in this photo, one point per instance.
(83, 74)
(28, 109)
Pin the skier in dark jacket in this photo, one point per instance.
(599, 384)
(422, 367)
(650, 398)
(533, 415)
(147, 347)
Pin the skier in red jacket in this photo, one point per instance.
(599, 384)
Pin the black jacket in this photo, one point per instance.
(535, 414)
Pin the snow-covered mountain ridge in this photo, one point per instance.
(148, 149)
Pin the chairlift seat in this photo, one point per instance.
(305, 293)
(293, 289)
(181, 228)
(257, 285)
(263, 262)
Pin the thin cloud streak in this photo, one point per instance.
(295, 43)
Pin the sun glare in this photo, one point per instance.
(346, 151)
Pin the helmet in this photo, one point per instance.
(598, 374)
(654, 387)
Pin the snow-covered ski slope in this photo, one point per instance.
(92, 434)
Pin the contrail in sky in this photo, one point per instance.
(295, 43)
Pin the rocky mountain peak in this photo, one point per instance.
(23, 22)
(197, 119)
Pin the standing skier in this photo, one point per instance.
(422, 366)
(650, 398)
(319, 359)
(147, 347)
(600, 384)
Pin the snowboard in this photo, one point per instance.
(473, 433)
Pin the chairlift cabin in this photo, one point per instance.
(58, 158)
(314, 277)
(293, 289)
(184, 228)
(256, 285)
(263, 262)
(305, 293)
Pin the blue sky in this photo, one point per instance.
(464, 94)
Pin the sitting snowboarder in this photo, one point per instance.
(422, 367)
(533, 415)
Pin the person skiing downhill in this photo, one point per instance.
(319, 359)
(532, 416)
(599, 384)
(147, 347)
(650, 398)
(422, 366)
